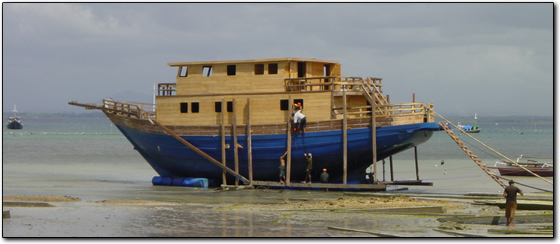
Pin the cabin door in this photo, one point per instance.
(301, 69)
(326, 72)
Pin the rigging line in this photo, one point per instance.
(491, 155)
(503, 178)
(521, 166)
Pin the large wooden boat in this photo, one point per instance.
(226, 120)
(15, 122)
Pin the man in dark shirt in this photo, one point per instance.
(510, 193)
(325, 178)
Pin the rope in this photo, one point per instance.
(494, 150)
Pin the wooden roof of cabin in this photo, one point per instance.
(254, 61)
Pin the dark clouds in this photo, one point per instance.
(463, 57)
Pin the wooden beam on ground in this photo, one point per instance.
(330, 186)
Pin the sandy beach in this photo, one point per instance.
(311, 214)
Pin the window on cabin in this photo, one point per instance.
(183, 71)
(296, 101)
(184, 107)
(231, 69)
(273, 69)
(218, 107)
(229, 106)
(259, 69)
(195, 107)
(284, 105)
(207, 71)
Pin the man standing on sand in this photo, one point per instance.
(325, 178)
(309, 161)
(510, 193)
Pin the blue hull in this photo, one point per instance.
(15, 125)
(170, 158)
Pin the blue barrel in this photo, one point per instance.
(196, 182)
(177, 181)
(166, 181)
(157, 180)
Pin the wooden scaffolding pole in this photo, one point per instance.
(234, 134)
(374, 139)
(391, 165)
(344, 139)
(249, 142)
(416, 162)
(289, 142)
(223, 134)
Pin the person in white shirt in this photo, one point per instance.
(299, 120)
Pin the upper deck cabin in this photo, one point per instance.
(247, 76)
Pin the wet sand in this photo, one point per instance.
(276, 214)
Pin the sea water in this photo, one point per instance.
(90, 159)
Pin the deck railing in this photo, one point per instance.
(327, 83)
(136, 109)
(167, 89)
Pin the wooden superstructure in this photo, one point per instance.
(195, 99)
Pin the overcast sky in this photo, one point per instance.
(466, 58)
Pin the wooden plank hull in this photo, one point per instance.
(170, 158)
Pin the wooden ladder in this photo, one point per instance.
(471, 155)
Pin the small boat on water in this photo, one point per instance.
(512, 169)
(14, 122)
(237, 117)
(469, 128)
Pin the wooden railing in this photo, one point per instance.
(140, 110)
(167, 89)
(327, 83)
(393, 110)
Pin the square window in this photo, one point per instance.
(184, 107)
(284, 106)
(296, 101)
(183, 71)
(207, 71)
(272, 69)
(195, 107)
(259, 69)
(229, 106)
(218, 107)
(231, 69)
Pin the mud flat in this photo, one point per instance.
(274, 214)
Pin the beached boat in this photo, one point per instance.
(469, 128)
(15, 122)
(225, 120)
(512, 169)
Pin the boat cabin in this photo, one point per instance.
(196, 97)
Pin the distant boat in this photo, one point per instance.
(511, 169)
(14, 122)
(470, 128)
